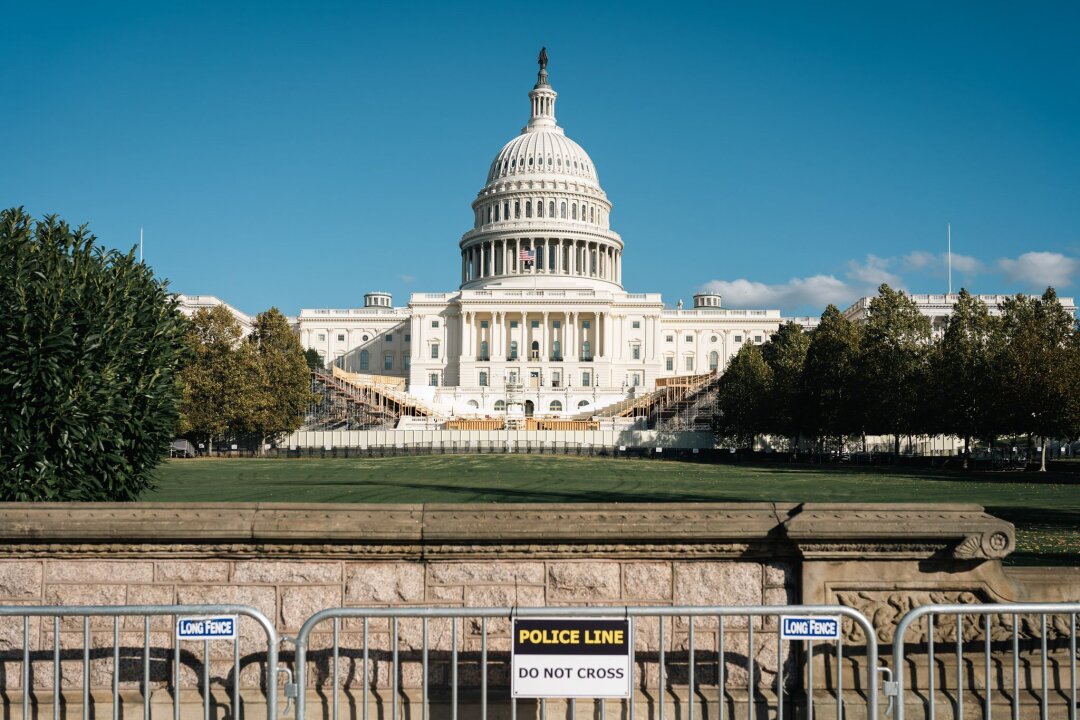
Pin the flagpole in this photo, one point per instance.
(949, 231)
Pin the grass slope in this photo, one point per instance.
(1047, 514)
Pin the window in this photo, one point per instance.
(433, 379)
(435, 351)
(406, 362)
(364, 338)
(583, 403)
(689, 362)
(556, 406)
(484, 324)
(364, 359)
(434, 323)
(506, 210)
(556, 324)
(341, 337)
(714, 360)
(534, 350)
(669, 338)
(388, 361)
(513, 324)
(551, 209)
(389, 337)
(669, 364)
(322, 337)
(562, 210)
(689, 338)
(513, 349)
(586, 379)
(635, 352)
(556, 379)
(573, 211)
(483, 350)
(496, 213)
(738, 338)
(556, 350)
(585, 324)
(757, 338)
(473, 405)
(483, 378)
(517, 209)
(586, 350)
(712, 339)
(636, 325)
(635, 379)
(408, 337)
(489, 213)
(535, 324)
(500, 405)
(528, 209)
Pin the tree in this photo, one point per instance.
(893, 372)
(314, 359)
(1037, 366)
(962, 373)
(217, 382)
(742, 397)
(284, 377)
(92, 343)
(785, 354)
(829, 376)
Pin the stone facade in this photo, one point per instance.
(290, 562)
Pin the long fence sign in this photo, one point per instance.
(572, 658)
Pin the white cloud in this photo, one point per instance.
(966, 264)
(1037, 270)
(938, 264)
(816, 291)
(407, 279)
(873, 272)
(919, 260)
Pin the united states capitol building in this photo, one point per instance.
(540, 301)
(540, 325)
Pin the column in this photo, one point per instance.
(466, 336)
(544, 343)
(609, 336)
(463, 267)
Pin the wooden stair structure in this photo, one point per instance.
(673, 396)
(351, 401)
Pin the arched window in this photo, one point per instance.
(474, 405)
(551, 209)
(562, 210)
(556, 350)
(517, 209)
(528, 209)
(364, 361)
(530, 161)
(583, 403)
(539, 208)
(714, 360)
(573, 211)
(506, 210)
(549, 161)
(496, 213)
(489, 213)
(500, 405)
(483, 350)
(513, 349)
(555, 406)
(592, 214)
(535, 351)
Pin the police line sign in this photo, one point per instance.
(809, 628)
(572, 657)
(222, 627)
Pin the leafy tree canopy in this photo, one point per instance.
(92, 344)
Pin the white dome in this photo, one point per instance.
(542, 154)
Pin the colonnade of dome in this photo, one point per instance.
(569, 257)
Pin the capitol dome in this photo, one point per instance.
(541, 211)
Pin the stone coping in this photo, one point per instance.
(812, 530)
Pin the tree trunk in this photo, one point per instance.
(1042, 463)
(967, 452)
(209, 446)
(896, 447)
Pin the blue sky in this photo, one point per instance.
(786, 154)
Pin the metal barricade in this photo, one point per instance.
(46, 647)
(998, 635)
(736, 636)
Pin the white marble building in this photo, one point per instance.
(540, 300)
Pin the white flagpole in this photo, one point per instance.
(949, 230)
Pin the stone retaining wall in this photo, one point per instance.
(291, 561)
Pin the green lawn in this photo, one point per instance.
(1047, 514)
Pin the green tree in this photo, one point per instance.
(742, 397)
(284, 385)
(314, 359)
(92, 343)
(1037, 367)
(785, 354)
(830, 376)
(962, 373)
(895, 362)
(217, 382)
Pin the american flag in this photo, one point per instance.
(527, 256)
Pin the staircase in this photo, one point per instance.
(673, 405)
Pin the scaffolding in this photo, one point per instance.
(344, 402)
(685, 402)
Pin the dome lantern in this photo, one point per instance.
(542, 99)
